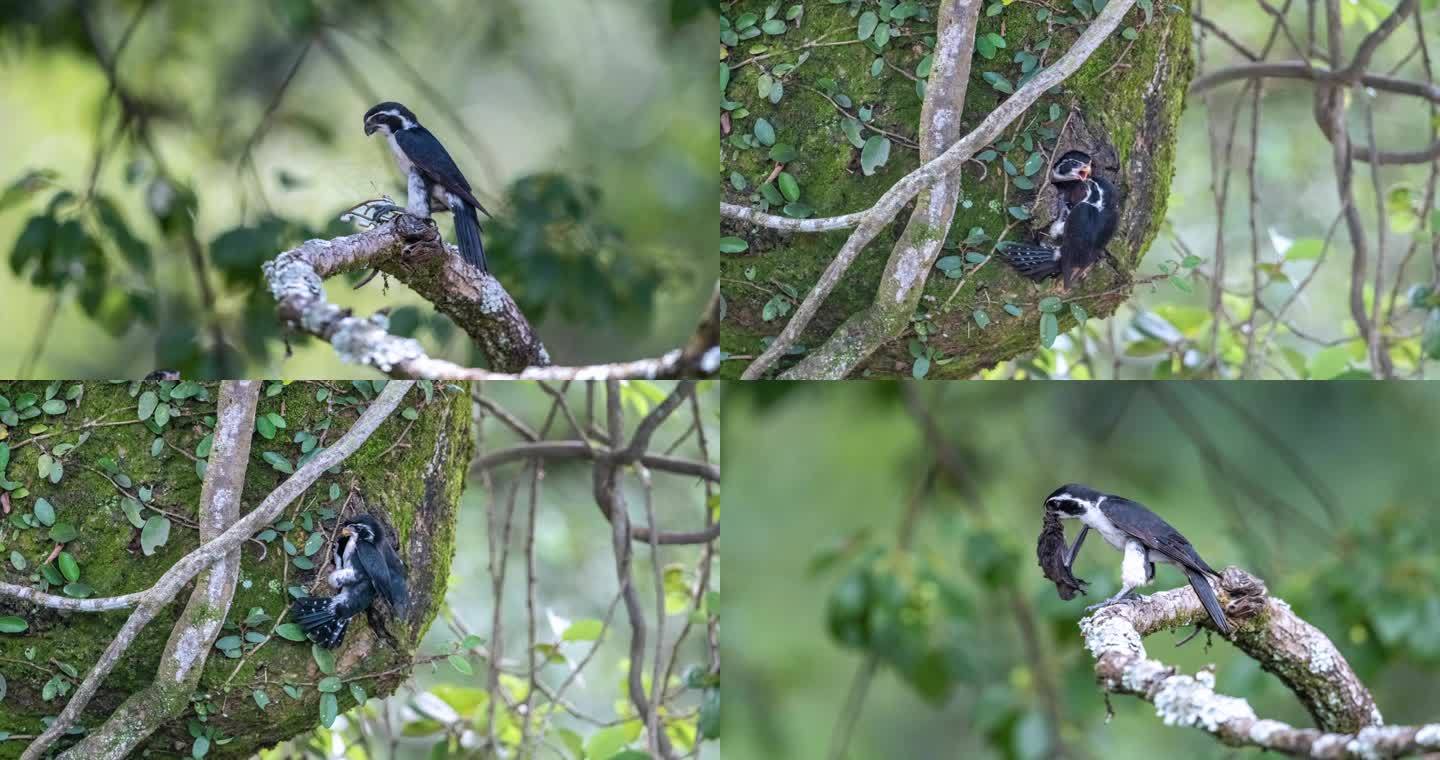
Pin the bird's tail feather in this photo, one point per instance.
(316, 616)
(1201, 584)
(1034, 261)
(467, 229)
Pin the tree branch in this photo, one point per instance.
(1270, 633)
(879, 215)
(183, 661)
(578, 450)
(410, 249)
(182, 572)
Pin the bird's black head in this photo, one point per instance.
(1072, 499)
(363, 527)
(1073, 166)
(388, 118)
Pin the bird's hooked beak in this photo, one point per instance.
(370, 128)
(347, 532)
(1085, 172)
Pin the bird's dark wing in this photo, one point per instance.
(1156, 534)
(1081, 245)
(399, 587)
(431, 158)
(371, 560)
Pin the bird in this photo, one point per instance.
(1088, 209)
(365, 567)
(1144, 539)
(433, 181)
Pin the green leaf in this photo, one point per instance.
(1078, 312)
(981, 318)
(1129, 33)
(1012, 310)
(999, 82)
(764, 132)
(68, 566)
(265, 427)
(324, 659)
(461, 664)
(709, 723)
(1430, 338)
(783, 153)
(851, 128)
(1049, 304)
(1019, 212)
(44, 511)
(788, 186)
(155, 534)
(314, 543)
(730, 244)
(262, 700)
(53, 406)
(12, 624)
(148, 402)
(1034, 163)
(773, 27)
(1305, 249)
(875, 153)
(737, 181)
(17, 560)
(63, 533)
(920, 368)
(78, 590)
(278, 462)
(329, 709)
(290, 631)
(583, 630)
(201, 747)
(131, 508)
(868, 22)
(1049, 329)
(329, 684)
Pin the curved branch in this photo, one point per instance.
(1303, 70)
(948, 163)
(409, 248)
(191, 565)
(786, 224)
(578, 450)
(183, 661)
(1284, 644)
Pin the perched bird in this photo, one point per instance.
(1088, 210)
(433, 181)
(1144, 539)
(365, 565)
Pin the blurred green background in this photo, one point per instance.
(581, 124)
(1324, 490)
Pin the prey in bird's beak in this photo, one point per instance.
(369, 128)
(1085, 172)
(347, 532)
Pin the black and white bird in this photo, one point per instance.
(1088, 209)
(365, 567)
(1144, 539)
(433, 181)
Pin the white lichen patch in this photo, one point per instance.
(1321, 654)
(364, 341)
(492, 296)
(188, 651)
(1372, 740)
(1110, 633)
(1328, 744)
(710, 361)
(1183, 701)
(1262, 731)
(1141, 673)
(1428, 736)
(907, 272)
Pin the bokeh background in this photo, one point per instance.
(235, 132)
(1325, 491)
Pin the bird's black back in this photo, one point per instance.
(1153, 532)
(431, 158)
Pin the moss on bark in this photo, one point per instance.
(411, 471)
(1128, 96)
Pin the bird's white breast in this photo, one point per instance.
(1101, 524)
(400, 158)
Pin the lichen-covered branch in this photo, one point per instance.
(409, 248)
(190, 641)
(947, 164)
(915, 253)
(1350, 725)
(181, 573)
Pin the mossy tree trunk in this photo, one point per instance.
(409, 474)
(1126, 102)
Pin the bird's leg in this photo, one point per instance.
(1074, 551)
(417, 201)
(1126, 593)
